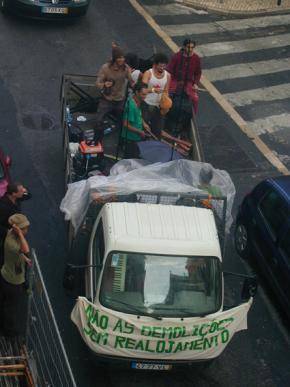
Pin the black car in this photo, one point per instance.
(262, 233)
(46, 8)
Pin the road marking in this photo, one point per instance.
(249, 69)
(245, 45)
(228, 108)
(172, 10)
(248, 97)
(225, 25)
(271, 124)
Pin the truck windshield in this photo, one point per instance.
(163, 286)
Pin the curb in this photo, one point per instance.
(227, 11)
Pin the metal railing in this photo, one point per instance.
(47, 356)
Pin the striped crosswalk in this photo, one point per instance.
(247, 59)
(225, 25)
(248, 69)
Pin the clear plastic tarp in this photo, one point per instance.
(129, 176)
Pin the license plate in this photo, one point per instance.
(148, 366)
(54, 10)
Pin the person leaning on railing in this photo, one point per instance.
(12, 279)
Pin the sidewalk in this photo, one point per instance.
(240, 7)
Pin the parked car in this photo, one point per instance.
(5, 163)
(262, 233)
(46, 8)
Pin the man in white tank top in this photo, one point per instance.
(158, 80)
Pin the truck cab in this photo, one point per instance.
(154, 285)
(155, 260)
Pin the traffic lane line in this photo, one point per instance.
(227, 107)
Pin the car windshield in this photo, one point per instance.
(161, 286)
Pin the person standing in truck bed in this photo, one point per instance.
(112, 80)
(185, 70)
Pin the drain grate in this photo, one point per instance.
(38, 120)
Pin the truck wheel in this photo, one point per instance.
(242, 243)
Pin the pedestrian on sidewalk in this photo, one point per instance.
(12, 278)
(158, 80)
(112, 80)
(10, 204)
(185, 70)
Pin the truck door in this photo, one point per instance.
(97, 256)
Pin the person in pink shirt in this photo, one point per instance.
(185, 70)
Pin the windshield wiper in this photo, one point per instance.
(185, 312)
(133, 308)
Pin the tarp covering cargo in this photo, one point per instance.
(129, 176)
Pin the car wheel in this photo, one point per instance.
(242, 243)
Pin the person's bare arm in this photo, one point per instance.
(127, 125)
(24, 247)
(146, 78)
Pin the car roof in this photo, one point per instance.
(162, 229)
(282, 184)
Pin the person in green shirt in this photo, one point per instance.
(205, 178)
(12, 279)
(133, 123)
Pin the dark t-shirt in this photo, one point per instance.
(7, 209)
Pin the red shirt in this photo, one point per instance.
(184, 68)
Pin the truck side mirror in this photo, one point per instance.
(250, 288)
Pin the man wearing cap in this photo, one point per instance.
(10, 204)
(12, 279)
(112, 80)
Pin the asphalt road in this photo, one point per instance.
(34, 55)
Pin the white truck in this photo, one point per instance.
(154, 284)
(147, 264)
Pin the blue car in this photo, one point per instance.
(262, 233)
(46, 8)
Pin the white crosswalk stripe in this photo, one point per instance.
(248, 97)
(258, 40)
(246, 45)
(270, 124)
(225, 25)
(243, 70)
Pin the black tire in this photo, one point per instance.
(242, 243)
(3, 6)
